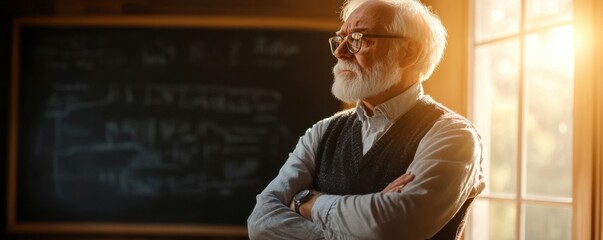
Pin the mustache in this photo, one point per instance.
(346, 66)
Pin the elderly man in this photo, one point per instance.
(397, 166)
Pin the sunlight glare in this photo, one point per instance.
(562, 39)
(555, 48)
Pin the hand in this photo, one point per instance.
(399, 183)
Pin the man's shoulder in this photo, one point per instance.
(340, 116)
(446, 114)
(345, 113)
(322, 125)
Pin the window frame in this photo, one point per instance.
(587, 123)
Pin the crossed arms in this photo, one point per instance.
(446, 173)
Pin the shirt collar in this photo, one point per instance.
(395, 107)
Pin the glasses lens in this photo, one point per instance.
(355, 42)
(334, 43)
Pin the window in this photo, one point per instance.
(522, 80)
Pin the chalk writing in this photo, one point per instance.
(143, 124)
(172, 154)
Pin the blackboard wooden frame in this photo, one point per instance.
(218, 22)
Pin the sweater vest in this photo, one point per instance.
(343, 169)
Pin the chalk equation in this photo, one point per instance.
(161, 139)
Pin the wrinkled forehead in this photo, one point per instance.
(370, 17)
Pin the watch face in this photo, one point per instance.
(301, 196)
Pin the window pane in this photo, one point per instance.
(496, 18)
(548, 120)
(540, 13)
(497, 67)
(547, 223)
(493, 220)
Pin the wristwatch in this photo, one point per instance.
(300, 198)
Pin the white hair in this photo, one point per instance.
(415, 21)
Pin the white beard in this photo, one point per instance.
(351, 87)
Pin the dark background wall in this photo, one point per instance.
(6, 12)
(10, 9)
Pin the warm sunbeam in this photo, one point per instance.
(523, 78)
(555, 47)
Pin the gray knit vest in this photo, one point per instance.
(343, 169)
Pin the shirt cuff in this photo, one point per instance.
(322, 206)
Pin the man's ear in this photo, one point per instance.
(409, 53)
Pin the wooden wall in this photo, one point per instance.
(291, 8)
(449, 82)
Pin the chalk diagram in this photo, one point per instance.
(160, 139)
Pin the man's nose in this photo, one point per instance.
(342, 52)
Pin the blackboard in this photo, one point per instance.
(152, 125)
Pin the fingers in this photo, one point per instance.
(398, 184)
(404, 179)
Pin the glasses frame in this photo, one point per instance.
(333, 40)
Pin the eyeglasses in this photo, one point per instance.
(354, 41)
